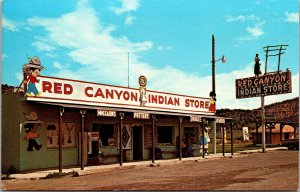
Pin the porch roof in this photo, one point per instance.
(132, 110)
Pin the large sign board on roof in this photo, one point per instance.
(268, 84)
(58, 90)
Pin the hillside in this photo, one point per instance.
(287, 111)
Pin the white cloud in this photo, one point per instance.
(90, 43)
(57, 65)
(9, 25)
(51, 55)
(292, 17)
(129, 20)
(229, 18)
(242, 18)
(255, 31)
(127, 5)
(42, 46)
(254, 27)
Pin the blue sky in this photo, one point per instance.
(169, 41)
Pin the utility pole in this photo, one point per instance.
(278, 48)
(213, 123)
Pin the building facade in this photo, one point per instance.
(105, 118)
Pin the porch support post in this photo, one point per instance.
(214, 129)
(61, 111)
(257, 133)
(281, 127)
(271, 133)
(180, 138)
(82, 112)
(121, 138)
(203, 154)
(153, 140)
(223, 139)
(231, 127)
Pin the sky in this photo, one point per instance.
(168, 41)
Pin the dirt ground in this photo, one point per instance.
(274, 170)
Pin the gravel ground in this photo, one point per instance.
(274, 170)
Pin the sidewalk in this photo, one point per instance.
(127, 165)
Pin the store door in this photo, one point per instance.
(137, 142)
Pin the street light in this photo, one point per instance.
(212, 94)
(223, 58)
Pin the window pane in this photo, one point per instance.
(165, 134)
(106, 133)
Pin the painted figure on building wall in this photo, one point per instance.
(212, 102)
(31, 127)
(143, 83)
(32, 70)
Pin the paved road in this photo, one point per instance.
(274, 170)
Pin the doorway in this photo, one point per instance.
(137, 142)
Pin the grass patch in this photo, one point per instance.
(56, 175)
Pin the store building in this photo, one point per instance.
(102, 116)
(276, 132)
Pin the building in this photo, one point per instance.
(275, 133)
(102, 116)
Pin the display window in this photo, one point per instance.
(107, 134)
(165, 135)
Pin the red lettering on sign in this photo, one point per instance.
(187, 103)
(57, 88)
(47, 86)
(99, 93)
(207, 104)
(126, 95)
(68, 89)
(86, 91)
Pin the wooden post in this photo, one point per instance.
(223, 139)
(203, 154)
(82, 112)
(281, 126)
(180, 138)
(263, 121)
(231, 127)
(121, 138)
(153, 139)
(61, 111)
(257, 133)
(271, 134)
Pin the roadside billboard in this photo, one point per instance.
(268, 84)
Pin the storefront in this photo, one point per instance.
(102, 116)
